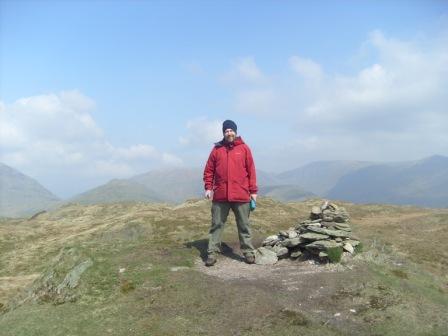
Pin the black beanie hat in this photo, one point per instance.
(228, 124)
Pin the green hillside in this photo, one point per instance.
(20, 195)
(137, 269)
(117, 191)
(285, 193)
(173, 185)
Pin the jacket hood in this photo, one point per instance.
(238, 141)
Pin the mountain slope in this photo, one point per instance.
(285, 193)
(20, 195)
(319, 177)
(173, 185)
(117, 191)
(423, 183)
(137, 269)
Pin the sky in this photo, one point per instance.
(96, 90)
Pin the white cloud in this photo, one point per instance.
(202, 132)
(172, 160)
(56, 134)
(256, 101)
(245, 70)
(394, 107)
(307, 68)
(134, 152)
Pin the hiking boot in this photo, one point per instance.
(211, 260)
(250, 259)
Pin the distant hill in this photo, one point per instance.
(21, 195)
(423, 183)
(321, 176)
(285, 193)
(176, 185)
(117, 191)
(173, 185)
(267, 179)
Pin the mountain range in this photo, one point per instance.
(421, 183)
(20, 195)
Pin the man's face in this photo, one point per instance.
(229, 135)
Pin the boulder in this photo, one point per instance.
(348, 247)
(283, 234)
(353, 242)
(316, 211)
(292, 242)
(292, 234)
(281, 251)
(314, 236)
(329, 232)
(271, 240)
(322, 245)
(264, 256)
(325, 233)
(296, 253)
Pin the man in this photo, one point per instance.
(229, 178)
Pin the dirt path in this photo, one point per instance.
(297, 285)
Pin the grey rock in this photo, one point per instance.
(322, 245)
(292, 234)
(283, 233)
(315, 210)
(343, 228)
(264, 256)
(333, 233)
(314, 225)
(341, 216)
(348, 247)
(281, 251)
(296, 253)
(314, 236)
(326, 233)
(352, 242)
(271, 240)
(292, 242)
(71, 280)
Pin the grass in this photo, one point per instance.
(131, 289)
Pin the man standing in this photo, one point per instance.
(229, 176)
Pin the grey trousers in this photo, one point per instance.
(220, 211)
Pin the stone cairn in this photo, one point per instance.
(326, 234)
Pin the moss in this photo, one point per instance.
(126, 286)
(400, 273)
(334, 254)
(295, 318)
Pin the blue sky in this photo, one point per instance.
(93, 90)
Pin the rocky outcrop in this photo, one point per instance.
(326, 234)
(59, 283)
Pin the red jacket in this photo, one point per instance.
(230, 172)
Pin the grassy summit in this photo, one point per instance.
(136, 269)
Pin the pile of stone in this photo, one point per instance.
(326, 234)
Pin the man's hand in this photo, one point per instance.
(254, 197)
(208, 194)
